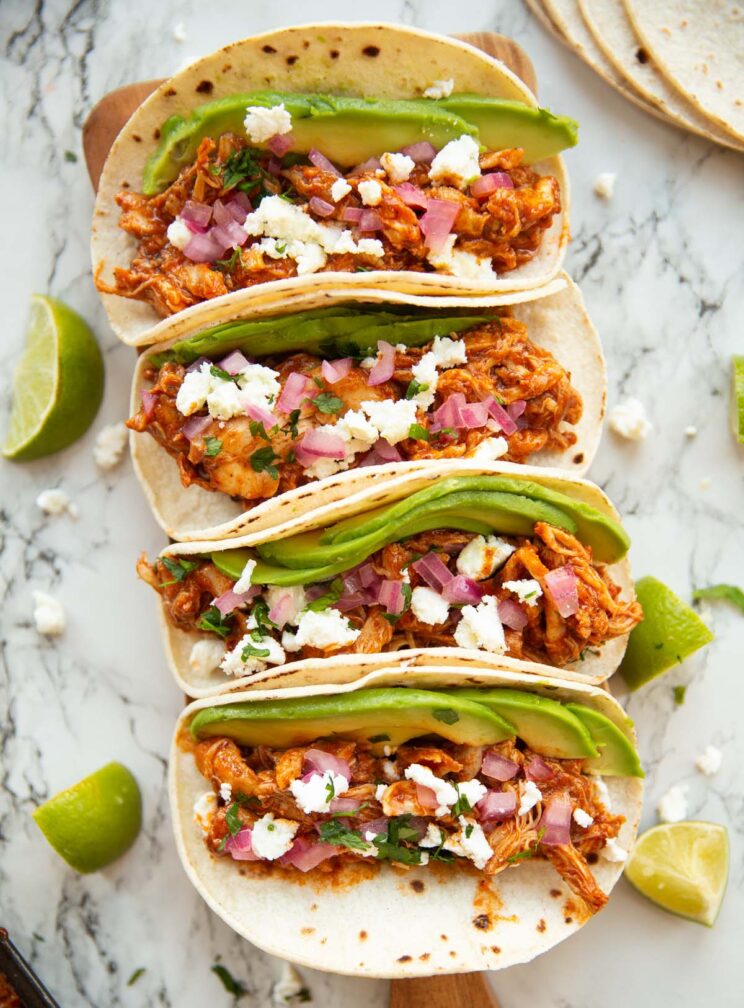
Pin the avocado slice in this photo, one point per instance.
(334, 332)
(387, 716)
(347, 130)
(617, 757)
(547, 726)
(503, 124)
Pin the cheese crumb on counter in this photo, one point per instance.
(109, 445)
(709, 761)
(672, 806)
(604, 185)
(56, 501)
(49, 615)
(629, 420)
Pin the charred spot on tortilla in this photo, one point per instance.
(482, 922)
(363, 936)
(541, 925)
(205, 87)
(417, 885)
(371, 51)
(495, 949)
(555, 893)
(169, 93)
(579, 458)
(334, 54)
(568, 920)
(136, 137)
(268, 49)
(404, 958)
(641, 55)
(291, 60)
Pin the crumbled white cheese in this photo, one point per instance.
(339, 189)
(233, 662)
(109, 445)
(224, 398)
(457, 163)
(445, 793)
(259, 384)
(56, 501)
(426, 374)
(612, 851)
(471, 790)
(205, 807)
(179, 31)
(179, 234)
(397, 166)
(226, 792)
(449, 352)
(672, 806)
(324, 630)
(440, 88)
(49, 616)
(289, 988)
(297, 596)
(390, 770)
(262, 124)
(370, 192)
(602, 792)
(582, 818)
(470, 841)
(705, 483)
(380, 792)
(709, 761)
(691, 432)
(317, 793)
(429, 607)
(491, 448)
(529, 795)
(358, 435)
(244, 581)
(270, 837)
(459, 263)
(604, 185)
(629, 420)
(481, 628)
(527, 590)
(392, 418)
(225, 401)
(482, 556)
(206, 656)
(433, 836)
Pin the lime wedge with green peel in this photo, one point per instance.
(670, 632)
(96, 820)
(737, 397)
(58, 382)
(682, 867)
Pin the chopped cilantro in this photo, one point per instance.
(260, 613)
(213, 446)
(242, 170)
(414, 387)
(330, 790)
(727, 592)
(232, 819)
(226, 265)
(328, 403)
(218, 372)
(291, 427)
(213, 621)
(71, 156)
(390, 845)
(318, 382)
(251, 651)
(462, 805)
(446, 715)
(379, 738)
(258, 430)
(334, 832)
(263, 461)
(469, 831)
(418, 432)
(334, 593)
(351, 812)
(231, 985)
(135, 976)
(407, 596)
(529, 852)
(179, 568)
(679, 694)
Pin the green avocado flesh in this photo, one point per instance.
(617, 757)
(346, 130)
(395, 713)
(347, 331)
(351, 130)
(503, 124)
(547, 726)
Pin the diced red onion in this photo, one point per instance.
(426, 797)
(385, 366)
(334, 371)
(474, 415)
(352, 214)
(486, 184)
(373, 458)
(556, 821)
(498, 767)
(420, 824)
(237, 211)
(314, 592)
(195, 426)
(196, 365)
(437, 222)
(371, 164)
(499, 414)
(344, 805)
(279, 144)
(321, 161)
(390, 596)
(448, 414)
(323, 444)
(562, 585)
(422, 152)
(240, 846)
(351, 600)
(512, 614)
(233, 363)
(204, 248)
(516, 409)
(433, 570)
(376, 826)
(536, 769)
(411, 195)
(294, 391)
(305, 854)
(274, 167)
(370, 221)
(282, 610)
(241, 199)
(262, 415)
(230, 600)
(227, 230)
(320, 207)
(462, 590)
(321, 761)
(496, 806)
(198, 214)
(368, 576)
(149, 402)
(387, 452)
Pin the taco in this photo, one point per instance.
(493, 810)
(369, 155)
(488, 569)
(268, 414)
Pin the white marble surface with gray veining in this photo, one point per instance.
(661, 266)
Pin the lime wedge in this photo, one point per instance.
(682, 867)
(57, 385)
(670, 632)
(737, 397)
(96, 820)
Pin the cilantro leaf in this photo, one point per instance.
(70, 156)
(228, 264)
(218, 372)
(291, 427)
(334, 832)
(231, 985)
(260, 612)
(462, 805)
(213, 446)
(390, 846)
(334, 593)
(414, 387)
(179, 568)
(135, 976)
(326, 402)
(679, 695)
(213, 621)
(232, 819)
(263, 461)
(250, 651)
(528, 852)
(418, 432)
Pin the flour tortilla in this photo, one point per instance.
(699, 47)
(558, 322)
(383, 927)
(407, 61)
(596, 667)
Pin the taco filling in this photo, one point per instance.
(485, 778)
(255, 425)
(539, 595)
(251, 203)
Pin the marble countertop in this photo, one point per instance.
(661, 268)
